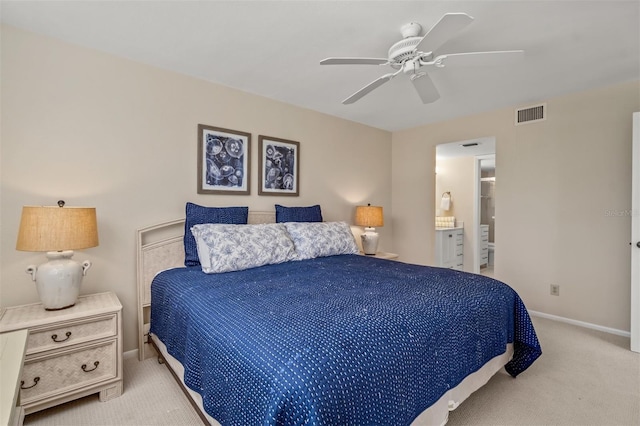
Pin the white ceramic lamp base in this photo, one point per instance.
(58, 281)
(370, 241)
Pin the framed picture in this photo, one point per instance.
(224, 161)
(279, 166)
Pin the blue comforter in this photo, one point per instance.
(336, 340)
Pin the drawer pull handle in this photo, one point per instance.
(35, 382)
(54, 337)
(84, 367)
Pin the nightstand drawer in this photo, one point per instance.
(44, 339)
(65, 371)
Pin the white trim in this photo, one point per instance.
(477, 204)
(477, 175)
(581, 323)
(133, 353)
(635, 235)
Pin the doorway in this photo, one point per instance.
(457, 198)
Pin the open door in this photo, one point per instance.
(635, 236)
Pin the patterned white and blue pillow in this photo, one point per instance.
(321, 239)
(226, 248)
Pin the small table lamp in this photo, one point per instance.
(58, 231)
(370, 217)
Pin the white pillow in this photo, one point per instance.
(226, 248)
(318, 239)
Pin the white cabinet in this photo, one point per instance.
(449, 248)
(484, 245)
(70, 352)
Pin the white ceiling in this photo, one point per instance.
(273, 48)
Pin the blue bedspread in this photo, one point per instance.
(342, 340)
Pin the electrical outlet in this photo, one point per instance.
(555, 290)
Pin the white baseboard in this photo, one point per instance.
(581, 324)
(130, 354)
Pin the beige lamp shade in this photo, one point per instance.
(369, 216)
(53, 228)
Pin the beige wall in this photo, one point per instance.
(561, 182)
(96, 130)
(457, 176)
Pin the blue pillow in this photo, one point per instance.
(298, 214)
(196, 215)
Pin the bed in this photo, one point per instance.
(339, 339)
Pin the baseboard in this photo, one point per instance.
(581, 324)
(130, 354)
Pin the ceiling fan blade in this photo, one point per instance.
(443, 30)
(369, 88)
(425, 88)
(354, 61)
(479, 59)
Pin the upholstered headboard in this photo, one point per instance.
(161, 247)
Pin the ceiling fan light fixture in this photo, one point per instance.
(411, 67)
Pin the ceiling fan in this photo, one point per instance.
(414, 56)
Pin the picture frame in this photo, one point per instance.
(278, 166)
(224, 161)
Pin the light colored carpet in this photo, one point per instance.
(584, 377)
(151, 397)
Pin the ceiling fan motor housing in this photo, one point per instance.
(405, 50)
(412, 29)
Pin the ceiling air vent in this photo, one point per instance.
(531, 114)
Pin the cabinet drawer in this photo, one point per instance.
(57, 373)
(60, 336)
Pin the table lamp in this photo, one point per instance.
(58, 231)
(370, 217)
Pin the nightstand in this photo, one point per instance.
(382, 255)
(71, 353)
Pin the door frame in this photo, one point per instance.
(476, 209)
(635, 235)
